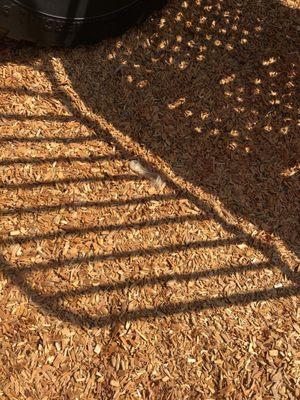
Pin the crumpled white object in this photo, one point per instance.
(139, 169)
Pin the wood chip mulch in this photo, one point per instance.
(149, 205)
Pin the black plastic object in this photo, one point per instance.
(71, 22)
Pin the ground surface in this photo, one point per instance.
(113, 288)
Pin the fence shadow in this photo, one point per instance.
(210, 87)
(222, 115)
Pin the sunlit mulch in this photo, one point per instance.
(114, 287)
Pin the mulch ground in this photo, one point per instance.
(115, 287)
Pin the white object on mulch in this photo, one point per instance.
(139, 169)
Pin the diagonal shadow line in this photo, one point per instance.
(204, 244)
(53, 139)
(46, 117)
(270, 251)
(102, 228)
(67, 181)
(239, 299)
(88, 204)
(66, 159)
(129, 283)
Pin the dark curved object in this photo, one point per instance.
(71, 22)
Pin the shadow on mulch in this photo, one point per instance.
(215, 97)
(211, 92)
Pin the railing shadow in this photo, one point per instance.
(213, 84)
(51, 304)
(210, 155)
